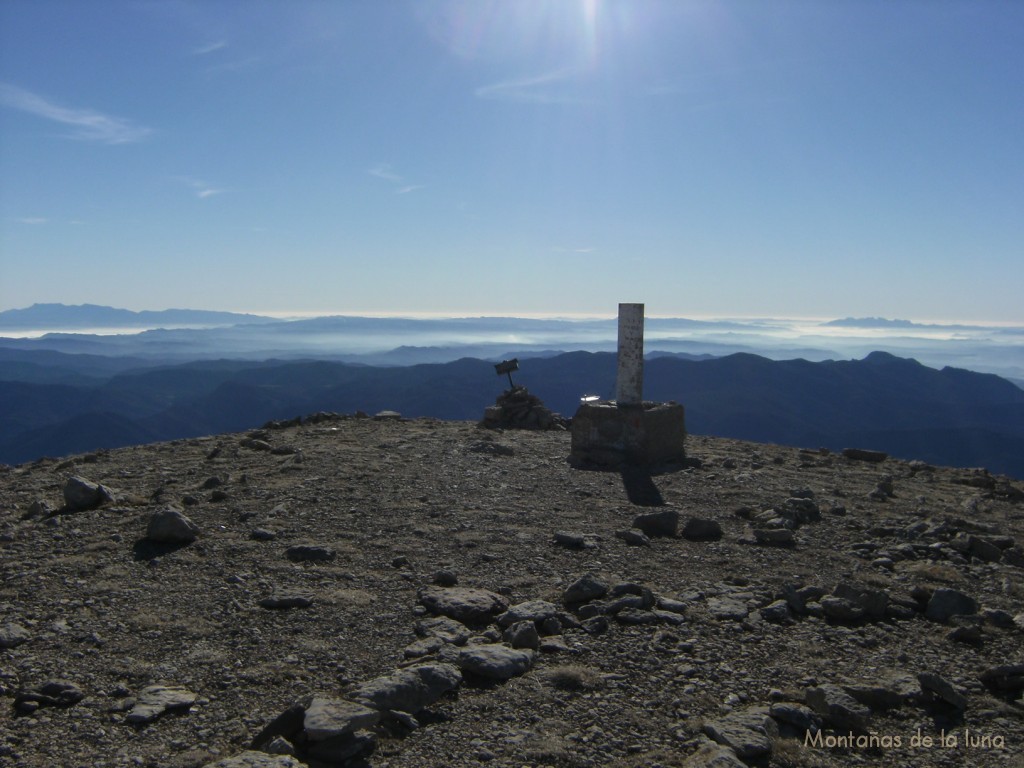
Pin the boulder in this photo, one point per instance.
(1004, 677)
(839, 709)
(170, 526)
(81, 494)
(584, 589)
(890, 690)
(946, 603)
(748, 732)
(654, 524)
(702, 529)
(498, 662)
(938, 689)
(522, 634)
(410, 689)
(327, 718)
(12, 635)
(464, 604)
(53, 693)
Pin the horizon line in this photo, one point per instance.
(568, 316)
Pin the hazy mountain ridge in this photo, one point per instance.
(64, 316)
(949, 416)
(407, 340)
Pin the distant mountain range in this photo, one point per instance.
(81, 316)
(180, 336)
(55, 404)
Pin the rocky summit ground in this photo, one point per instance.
(384, 592)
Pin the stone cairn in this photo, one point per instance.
(516, 408)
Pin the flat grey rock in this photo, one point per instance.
(841, 609)
(727, 608)
(410, 689)
(571, 539)
(839, 708)
(498, 662)
(774, 537)
(443, 628)
(465, 604)
(310, 553)
(13, 635)
(797, 716)
(776, 612)
(748, 732)
(890, 690)
(425, 646)
(327, 718)
(634, 537)
(155, 700)
(872, 602)
(253, 759)
(532, 610)
(284, 600)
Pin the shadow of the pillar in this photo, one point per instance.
(640, 487)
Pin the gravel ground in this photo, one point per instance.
(86, 597)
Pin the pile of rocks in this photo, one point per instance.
(516, 408)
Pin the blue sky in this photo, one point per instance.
(774, 159)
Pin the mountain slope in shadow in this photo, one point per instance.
(949, 416)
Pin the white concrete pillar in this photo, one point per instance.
(629, 381)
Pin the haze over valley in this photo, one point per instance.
(824, 384)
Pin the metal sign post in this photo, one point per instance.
(507, 366)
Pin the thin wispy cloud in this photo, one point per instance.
(546, 88)
(205, 49)
(385, 172)
(87, 124)
(201, 189)
(31, 220)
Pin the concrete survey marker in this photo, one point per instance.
(628, 430)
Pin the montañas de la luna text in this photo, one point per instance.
(919, 740)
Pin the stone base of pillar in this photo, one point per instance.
(607, 435)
